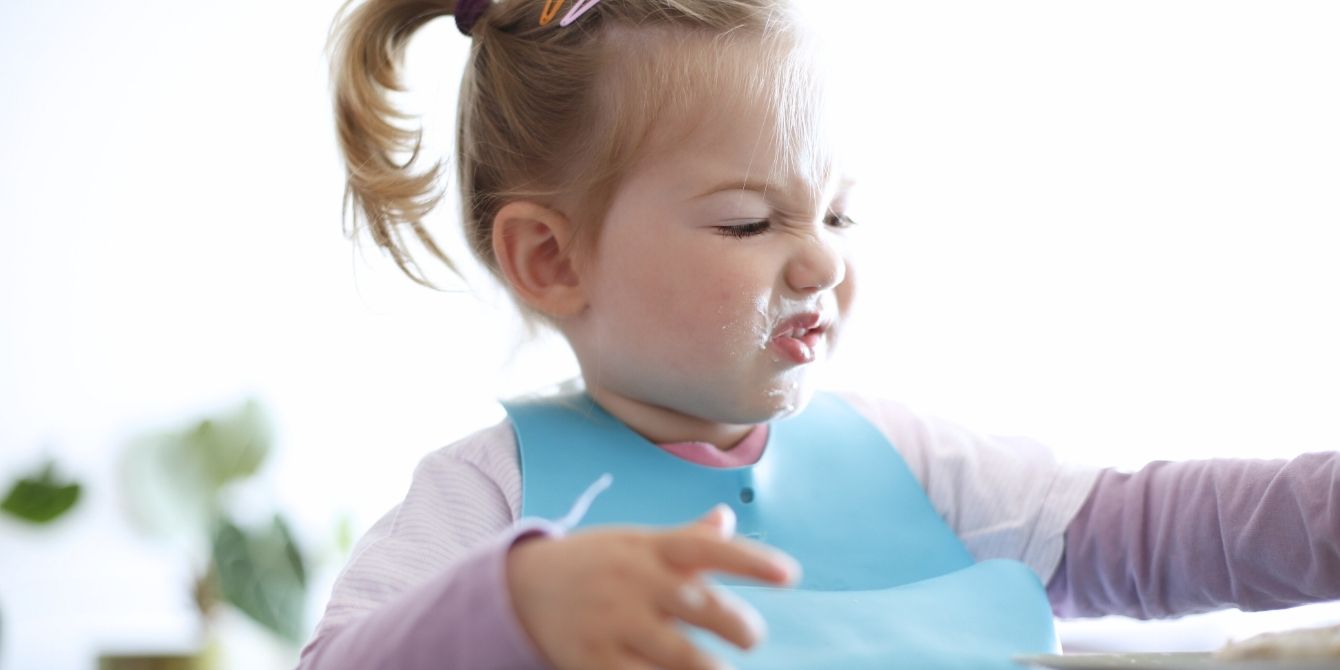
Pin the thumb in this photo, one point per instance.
(720, 518)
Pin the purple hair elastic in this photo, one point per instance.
(577, 11)
(467, 13)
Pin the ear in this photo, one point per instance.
(533, 245)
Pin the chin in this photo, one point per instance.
(780, 403)
(760, 406)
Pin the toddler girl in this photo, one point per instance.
(650, 178)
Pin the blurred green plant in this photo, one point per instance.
(177, 484)
(263, 574)
(176, 479)
(41, 497)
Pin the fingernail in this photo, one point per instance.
(692, 596)
(727, 516)
(789, 566)
(758, 628)
(753, 621)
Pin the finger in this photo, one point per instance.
(663, 645)
(688, 550)
(719, 612)
(722, 519)
(622, 659)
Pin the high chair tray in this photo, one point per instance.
(1166, 661)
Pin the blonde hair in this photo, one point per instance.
(547, 111)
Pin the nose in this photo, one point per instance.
(818, 265)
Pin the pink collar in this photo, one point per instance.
(747, 452)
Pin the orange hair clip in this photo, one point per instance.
(550, 10)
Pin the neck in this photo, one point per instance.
(665, 426)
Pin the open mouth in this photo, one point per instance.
(798, 337)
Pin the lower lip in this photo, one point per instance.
(798, 350)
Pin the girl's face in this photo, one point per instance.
(713, 291)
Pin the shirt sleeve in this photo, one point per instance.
(462, 618)
(1004, 496)
(1179, 538)
(426, 586)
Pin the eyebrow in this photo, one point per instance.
(746, 184)
(736, 184)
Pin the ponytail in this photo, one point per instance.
(547, 113)
(369, 43)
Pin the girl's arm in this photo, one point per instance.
(424, 587)
(449, 579)
(462, 618)
(1178, 538)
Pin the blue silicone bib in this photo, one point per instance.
(886, 582)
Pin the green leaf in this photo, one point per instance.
(230, 447)
(262, 573)
(41, 498)
(174, 477)
(344, 534)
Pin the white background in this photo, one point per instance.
(1111, 226)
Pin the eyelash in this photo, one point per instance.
(840, 221)
(745, 229)
(753, 228)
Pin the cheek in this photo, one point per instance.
(695, 300)
(639, 273)
(738, 313)
(718, 302)
(695, 281)
(846, 291)
(716, 316)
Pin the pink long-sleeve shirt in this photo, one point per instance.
(427, 588)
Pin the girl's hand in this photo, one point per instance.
(610, 599)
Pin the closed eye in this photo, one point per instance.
(749, 229)
(836, 220)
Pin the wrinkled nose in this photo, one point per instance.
(817, 266)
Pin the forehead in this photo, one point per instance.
(742, 147)
(744, 107)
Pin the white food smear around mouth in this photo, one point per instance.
(731, 328)
(763, 329)
(746, 326)
(784, 397)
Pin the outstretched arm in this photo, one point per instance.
(462, 618)
(425, 586)
(1179, 538)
